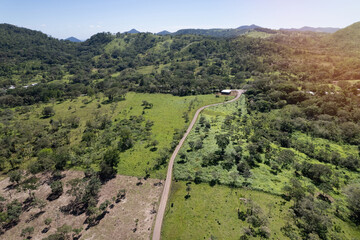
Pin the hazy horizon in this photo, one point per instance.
(82, 19)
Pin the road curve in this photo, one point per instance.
(166, 190)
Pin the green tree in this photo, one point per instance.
(56, 190)
(14, 210)
(15, 176)
(109, 164)
(126, 141)
(48, 112)
(353, 200)
(222, 140)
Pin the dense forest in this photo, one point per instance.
(299, 119)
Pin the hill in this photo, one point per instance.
(312, 29)
(248, 27)
(218, 32)
(162, 33)
(133, 31)
(347, 38)
(73, 39)
(29, 55)
(292, 140)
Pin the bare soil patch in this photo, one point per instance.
(130, 218)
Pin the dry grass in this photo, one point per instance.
(117, 224)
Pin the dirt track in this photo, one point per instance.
(165, 193)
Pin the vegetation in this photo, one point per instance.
(119, 103)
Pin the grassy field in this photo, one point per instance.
(166, 113)
(211, 212)
(262, 177)
(215, 115)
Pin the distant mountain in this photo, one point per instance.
(248, 27)
(218, 32)
(133, 31)
(162, 33)
(312, 29)
(73, 39)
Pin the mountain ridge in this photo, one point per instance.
(72, 39)
(312, 29)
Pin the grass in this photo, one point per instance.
(256, 34)
(262, 178)
(200, 214)
(166, 114)
(211, 212)
(216, 116)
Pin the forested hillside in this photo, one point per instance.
(181, 65)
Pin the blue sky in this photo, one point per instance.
(83, 18)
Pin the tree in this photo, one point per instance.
(29, 185)
(222, 140)
(56, 190)
(312, 217)
(112, 93)
(61, 157)
(285, 158)
(126, 141)
(244, 169)
(295, 190)
(188, 189)
(15, 176)
(153, 144)
(48, 112)
(44, 162)
(108, 164)
(191, 144)
(353, 200)
(162, 158)
(185, 116)
(146, 105)
(14, 210)
(198, 144)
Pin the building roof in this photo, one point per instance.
(226, 91)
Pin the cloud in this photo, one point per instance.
(43, 25)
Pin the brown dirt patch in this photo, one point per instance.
(119, 223)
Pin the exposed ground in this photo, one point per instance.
(119, 223)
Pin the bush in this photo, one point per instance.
(48, 112)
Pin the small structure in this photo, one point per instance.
(226, 92)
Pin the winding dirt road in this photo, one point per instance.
(165, 193)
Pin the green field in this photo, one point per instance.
(211, 212)
(166, 114)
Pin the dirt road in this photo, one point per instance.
(165, 193)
